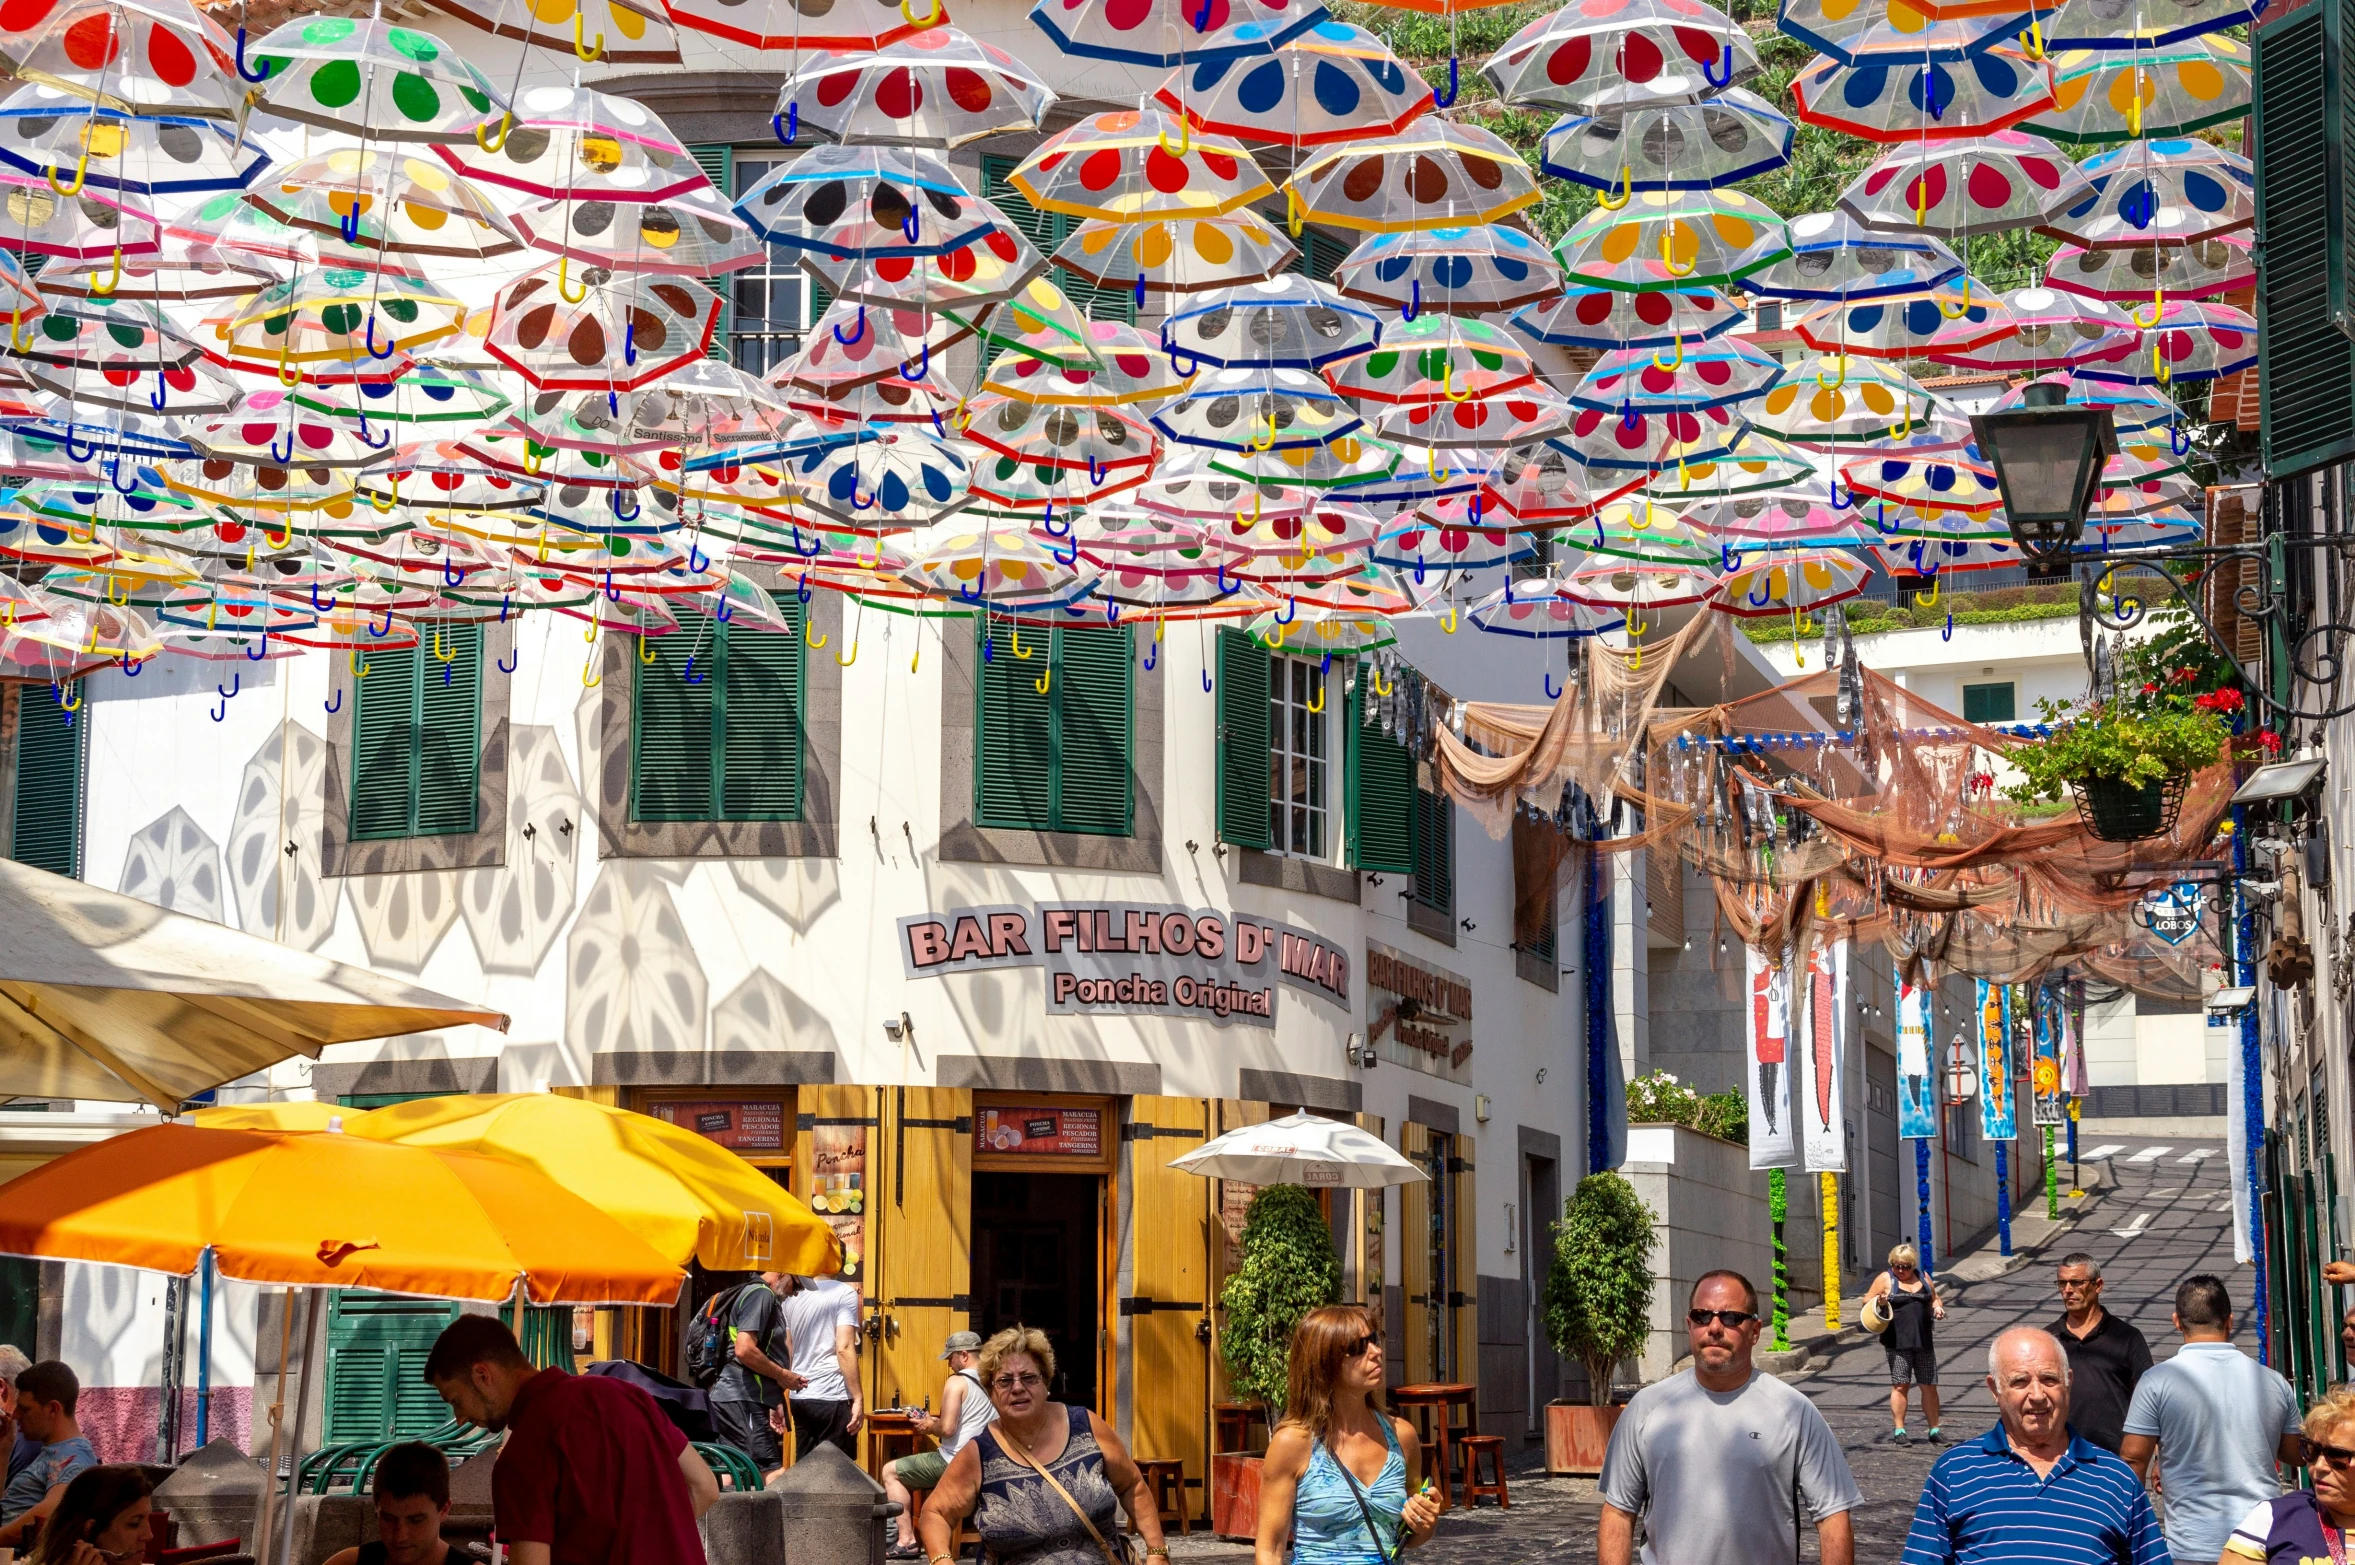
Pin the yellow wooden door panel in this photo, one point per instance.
(923, 1202)
(1169, 1245)
(1464, 1302)
(1414, 1256)
(1369, 1230)
(1230, 1200)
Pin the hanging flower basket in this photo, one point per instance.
(2119, 811)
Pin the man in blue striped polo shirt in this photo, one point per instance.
(2030, 1489)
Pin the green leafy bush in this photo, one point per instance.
(1660, 1099)
(2151, 736)
(1725, 1115)
(1288, 1269)
(1598, 1293)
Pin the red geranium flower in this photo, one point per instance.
(2270, 740)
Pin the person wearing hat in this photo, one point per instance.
(1900, 1305)
(965, 1411)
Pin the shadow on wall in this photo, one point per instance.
(796, 890)
(516, 911)
(280, 895)
(632, 982)
(762, 1013)
(403, 917)
(172, 863)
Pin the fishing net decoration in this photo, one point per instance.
(1836, 804)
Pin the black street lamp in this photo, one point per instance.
(2048, 459)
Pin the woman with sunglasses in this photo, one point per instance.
(1342, 1483)
(1913, 1354)
(2308, 1524)
(1044, 1482)
(101, 1519)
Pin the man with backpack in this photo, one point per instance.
(737, 1351)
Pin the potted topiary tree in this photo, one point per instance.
(1288, 1269)
(1598, 1310)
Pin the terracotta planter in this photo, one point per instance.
(1234, 1494)
(1576, 1436)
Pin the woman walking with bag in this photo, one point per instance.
(1049, 1480)
(1339, 1471)
(1912, 1304)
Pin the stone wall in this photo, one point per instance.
(1709, 1211)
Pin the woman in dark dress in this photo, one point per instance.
(1001, 1477)
(1913, 1355)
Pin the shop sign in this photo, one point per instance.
(838, 1192)
(739, 1124)
(1134, 959)
(1028, 1130)
(1421, 1016)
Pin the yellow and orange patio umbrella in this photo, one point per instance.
(684, 1195)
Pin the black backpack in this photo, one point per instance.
(708, 1347)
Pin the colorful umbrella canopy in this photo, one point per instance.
(1833, 256)
(1137, 164)
(1333, 82)
(1176, 255)
(2050, 330)
(1669, 146)
(1841, 27)
(1289, 321)
(1434, 174)
(607, 31)
(1592, 317)
(2158, 193)
(2203, 269)
(75, 145)
(802, 25)
(856, 203)
(136, 56)
(1434, 360)
(1982, 185)
(1681, 240)
(404, 85)
(1621, 54)
(2139, 24)
(2180, 340)
(562, 340)
(1483, 270)
(937, 88)
(2162, 90)
(1900, 91)
(1792, 583)
(1957, 317)
(1171, 32)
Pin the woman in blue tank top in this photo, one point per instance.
(1339, 1470)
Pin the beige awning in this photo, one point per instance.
(104, 996)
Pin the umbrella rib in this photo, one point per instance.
(27, 1005)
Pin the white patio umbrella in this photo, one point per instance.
(1302, 1149)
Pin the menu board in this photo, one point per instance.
(838, 1192)
(1024, 1130)
(739, 1124)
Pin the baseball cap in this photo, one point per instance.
(962, 1342)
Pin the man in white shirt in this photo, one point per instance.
(822, 1344)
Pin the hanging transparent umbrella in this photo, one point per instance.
(1452, 533)
(189, 275)
(854, 344)
(185, 390)
(1702, 375)
(1176, 255)
(1130, 367)
(1335, 82)
(696, 234)
(2162, 90)
(1833, 256)
(1290, 321)
(1756, 462)
(2050, 330)
(75, 145)
(133, 340)
(903, 479)
(1540, 610)
(138, 56)
(1541, 486)
(1910, 327)
(1135, 164)
(1643, 443)
(92, 226)
(2203, 269)
(1669, 146)
(606, 32)
(578, 143)
(1481, 270)
(855, 203)
(1956, 31)
(969, 567)
(1982, 185)
(1256, 409)
(1433, 174)
(1518, 417)
(2137, 24)
(404, 85)
(938, 88)
(1435, 361)
(1587, 316)
(1170, 32)
(2182, 341)
(1900, 91)
(982, 273)
(333, 322)
(1834, 398)
(363, 206)
(1792, 584)
(619, 331)
(1681, 240)
(2159, 193)
(803, 25)
(1621, 54)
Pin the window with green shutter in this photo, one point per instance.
(1060, 758)
(1320, 252)
(376, 1349)
(1048, 230)
(719, 166)
(2305, 92)
(49, 777)
(1990, 703)
(1380, 775)
(417, 738)
(1242, 740)
(716, 722)
(1435, 851)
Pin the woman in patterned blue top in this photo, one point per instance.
(1338, 1470)
(1044, 1483)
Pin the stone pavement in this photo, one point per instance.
(2152, 1220)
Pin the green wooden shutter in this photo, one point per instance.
(1093, 702)
(674, 726)
(384, 745)
(1435, 850)
(1319, 253)
(2306, 366)
(1014, 750)
(761, 722)
(1380, 793)
(48, 829)
(1048, 230)
(417, 739)
(719, 166)
(1243, 741)
(376, 1349)
(449, 732)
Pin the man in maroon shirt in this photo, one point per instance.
(592, 1472)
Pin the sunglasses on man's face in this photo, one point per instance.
(2337, 1455)
(1731, 1320)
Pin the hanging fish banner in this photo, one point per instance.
(1999, 1118)
(2073, 1075)
(1824, 1027)
(1772, 1143)
(1917, 1079)
(2044, 1076)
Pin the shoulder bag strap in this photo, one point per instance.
(1358, 1492)
(1022, 1456)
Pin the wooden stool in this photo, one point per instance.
(1472, 1448)
(1167, 1480)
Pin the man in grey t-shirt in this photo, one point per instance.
(2218, 1422)
(1718, 1458)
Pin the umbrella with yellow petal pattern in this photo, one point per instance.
(604, 32)
(1176, 255)
(1791, 584)
(1661, 240)
(1131, 165)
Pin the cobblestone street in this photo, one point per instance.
(2160, 1218)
